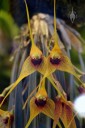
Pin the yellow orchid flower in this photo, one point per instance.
(40, 103)
(57, 60)
(34, 62)
(64, 111)
(6, 119)
(54, 83)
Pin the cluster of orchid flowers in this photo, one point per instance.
(56, 59)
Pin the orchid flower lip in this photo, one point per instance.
(40, 101)
(55, 58)
(55, 61)
(6, 120)
(36, 60)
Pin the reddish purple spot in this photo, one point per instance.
(6, 120)
(55, 61)
(40, 102)
(36, 62)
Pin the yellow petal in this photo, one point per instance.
(43, 66)
(41, 93)
(48, 109)
(58, 61)
(64, 64)
(1, 112)
(36, 53)
(50, 67)
(34, 111)
(35, 50)
(27, 69)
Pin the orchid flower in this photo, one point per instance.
(57, 60)
(41, 103)
(6, 119)
(34, 62)
(64, 111)
(54, 83)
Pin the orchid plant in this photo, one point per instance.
(46, 63)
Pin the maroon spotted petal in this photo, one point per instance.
(6, 120)
(55, 61)
(40, 102)
(36, 62)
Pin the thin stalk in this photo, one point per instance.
(55, 24)
(29, 26)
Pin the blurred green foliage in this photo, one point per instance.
(82, 31)
(7, 24)
(8, 30)
(6, 21)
